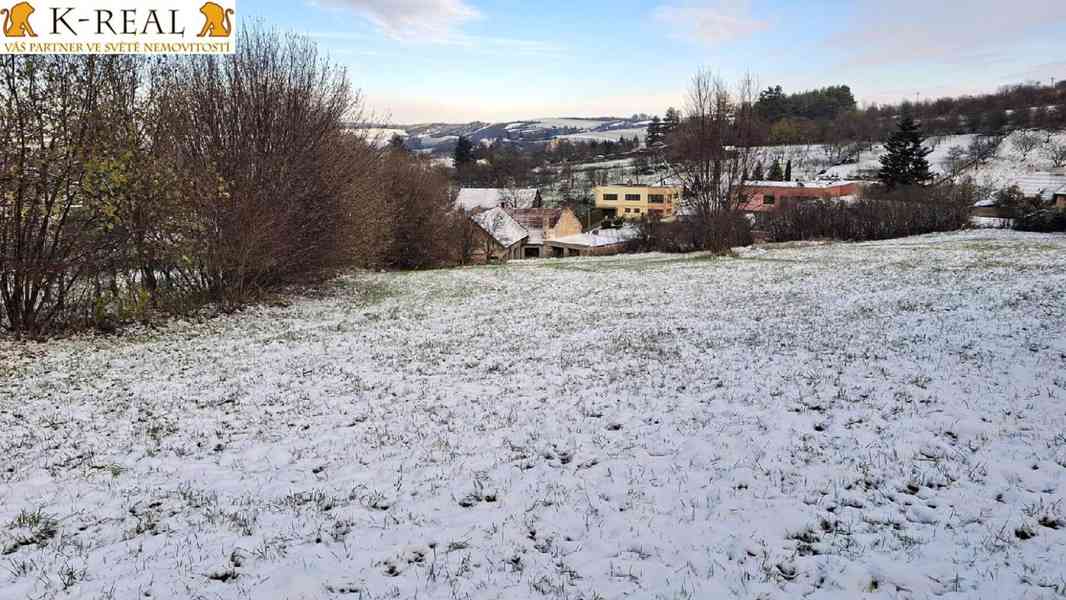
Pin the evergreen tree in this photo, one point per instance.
(788, 171)
(757, 175)
(776, 173)
(772, 104)
(904, 162)
(655, 131)
(464, 152)
(672, 121)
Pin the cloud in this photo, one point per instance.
(720, 23)
(424, 20)
(919, 31)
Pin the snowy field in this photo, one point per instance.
(1033, 172)
(882, 420)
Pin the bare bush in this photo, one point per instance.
(406, 221)
(905, 212)
(259, 132)
(127, 185)
(58, 164)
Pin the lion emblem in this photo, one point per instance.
(217, 23)
(17, 20)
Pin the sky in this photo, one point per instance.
(421, 61)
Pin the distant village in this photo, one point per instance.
(514, 223)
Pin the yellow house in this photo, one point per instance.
(636, 201)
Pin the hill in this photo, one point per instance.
(440, 138)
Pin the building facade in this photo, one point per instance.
(768, 196)
(637, 201)
(544, 225)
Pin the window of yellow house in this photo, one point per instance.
(610, 197)
(632, 197)
(656, 199)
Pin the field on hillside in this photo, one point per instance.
(881, 420)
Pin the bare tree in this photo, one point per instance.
(709, 153)
(955, 161)
(1055, 151)
(1025, 142)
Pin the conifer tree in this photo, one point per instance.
(776, 173)
(788, 171)
(672, 120)
(464, 152)
(655, 131)
(904, 162)
(757, 175)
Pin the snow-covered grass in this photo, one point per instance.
(882, 420)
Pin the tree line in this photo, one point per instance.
(130, 185)
(831, 116)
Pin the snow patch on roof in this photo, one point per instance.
(810, 185)
(485, 198)
(598, 238)
(501, 226)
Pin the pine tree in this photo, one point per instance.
(655, 131)
(788, 171)
(464, 152)
(776, 173)
(672, 121)
(905, 163)
(757, 175)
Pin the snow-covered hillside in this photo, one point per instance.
(1033, 171)
(439, 138)
(880, 420)
(610, 135)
